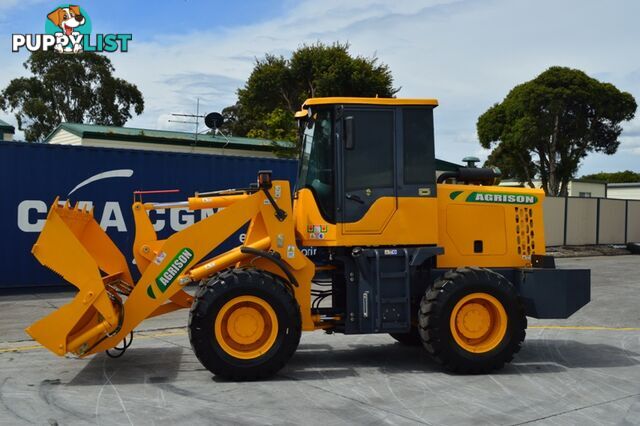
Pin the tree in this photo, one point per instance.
(513, 165)
(616, 177)
(277, 87)
(78, 88)
(549, 124)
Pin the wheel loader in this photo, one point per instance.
(449, 261)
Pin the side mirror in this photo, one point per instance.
(349, 132)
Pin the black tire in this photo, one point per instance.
(210, 299)
(435, 313)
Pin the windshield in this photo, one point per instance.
(316, 163)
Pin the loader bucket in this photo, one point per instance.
(73, 245)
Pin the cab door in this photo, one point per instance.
(367, 196)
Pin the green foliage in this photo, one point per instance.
(513, 165)
(616, 177)
(78, 88)
(277, 87)
(546, 126)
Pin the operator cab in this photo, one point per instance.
(359, 151)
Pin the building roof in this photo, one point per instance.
(625, 185)
(370, 101)
(7, 128)
(116, 133)
(600, 182)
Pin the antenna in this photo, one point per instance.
(196, 120)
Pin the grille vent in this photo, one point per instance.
(524, 231)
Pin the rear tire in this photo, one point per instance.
(471, 320)
(244, 324)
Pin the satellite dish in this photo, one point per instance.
(213, 120)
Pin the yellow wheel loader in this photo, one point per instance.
(449, 261)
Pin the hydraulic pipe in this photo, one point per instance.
(198, 203)
(100, 329)
(226, 259)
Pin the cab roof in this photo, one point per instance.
(369, 101)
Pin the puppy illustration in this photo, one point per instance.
(67, 19)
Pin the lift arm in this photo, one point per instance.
(104, 311)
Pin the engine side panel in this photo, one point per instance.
(489, 226)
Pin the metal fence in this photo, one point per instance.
(579, 221)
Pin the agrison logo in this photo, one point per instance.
(173, 269)
(68, 30)
(491, 197)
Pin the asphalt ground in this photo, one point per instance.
(584, 370)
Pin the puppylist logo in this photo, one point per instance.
(68, 30)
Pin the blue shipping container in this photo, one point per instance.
(32, 175)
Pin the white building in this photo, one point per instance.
(6, 131)
(626, 191)
(577, 188)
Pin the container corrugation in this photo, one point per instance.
(32, 175)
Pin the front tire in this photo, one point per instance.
(244, 324)
(471, 320)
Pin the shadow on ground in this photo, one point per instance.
(325, 362)
(536, 356)
(138, 365)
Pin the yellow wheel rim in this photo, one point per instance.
(478, 322)
(246, 327)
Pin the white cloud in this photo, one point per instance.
(468, 54)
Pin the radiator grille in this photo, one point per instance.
(524, 231)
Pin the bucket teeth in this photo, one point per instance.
(68, 208)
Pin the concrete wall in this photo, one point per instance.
(590, 221)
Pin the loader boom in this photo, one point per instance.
(100, 316)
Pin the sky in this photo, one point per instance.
(466, 53)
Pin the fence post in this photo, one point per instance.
(598, 222)
(626, 220)
(566, 210)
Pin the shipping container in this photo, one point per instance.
(32, 175)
